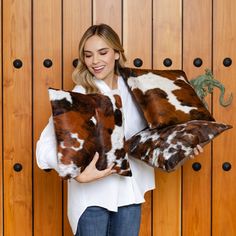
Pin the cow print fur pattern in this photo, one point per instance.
(85, 123)
(171, 146)
(165, 96)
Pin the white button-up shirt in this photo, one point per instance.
(112, 191)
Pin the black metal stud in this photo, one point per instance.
(196, 166)
(17, 63)
(47, 63)
(75, 62)
(167, 62)
(227, 62)
(226, 166)
(138, 62)
(17, 167)
(197, 62)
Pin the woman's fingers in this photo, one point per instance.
(196, 151)
(200, 149)
(191, 156)
(110, 168)
(95, 158)
(91, 173)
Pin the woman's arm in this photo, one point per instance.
(46, 156)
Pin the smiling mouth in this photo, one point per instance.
(98, 69)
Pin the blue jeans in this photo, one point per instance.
(98, 221)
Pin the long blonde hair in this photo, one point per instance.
(81, 75)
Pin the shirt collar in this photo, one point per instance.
(103, 87)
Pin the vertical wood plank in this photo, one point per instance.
(47, 45)
(137, 41)
(167, 43)
(167, 204)
(74, 25)
(224, 191)
(17, 119)
(167, 33)
(108, 12)
(197, 30)
(137, 31)
(1, 157)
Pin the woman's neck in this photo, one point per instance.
(112, 82)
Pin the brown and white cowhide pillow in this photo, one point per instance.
(171, 146)
(165, 96)
(85, 124)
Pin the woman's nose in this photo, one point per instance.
(95, 59)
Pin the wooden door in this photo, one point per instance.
(47, 72)
(39, 47)
(17, 117)
(1, 156)
(197, 56)
(167, 49)
(223, 172)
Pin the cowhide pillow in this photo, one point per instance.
(165, 97)
(85, 124)
(171, 146)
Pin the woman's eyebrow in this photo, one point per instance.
(101, 49)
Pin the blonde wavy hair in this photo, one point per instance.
(81, 75)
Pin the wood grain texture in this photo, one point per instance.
(167, 204)
(17, 119)
(47, 43)
(137, 41)
(74, 25)
(197, 29)
(223, 189)
(108, 12)
(167, 33)
(1, 157)
(151, 30)
(137, 32)
(167, 43)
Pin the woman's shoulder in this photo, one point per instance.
(79, 89)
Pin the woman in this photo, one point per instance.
(100, 202)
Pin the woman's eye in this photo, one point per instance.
(103, 53)
(87, 56)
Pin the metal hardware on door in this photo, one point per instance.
(167, 62)
(227, 62)
(196, 166)
(17, 167)
(226, 166)
(197, 62)
(75, 62)
(47, 63)
(138, 62)
(17, 63)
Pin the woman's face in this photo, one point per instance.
(100, 58)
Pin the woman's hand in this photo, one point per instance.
(197, 150)
(91, 173)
